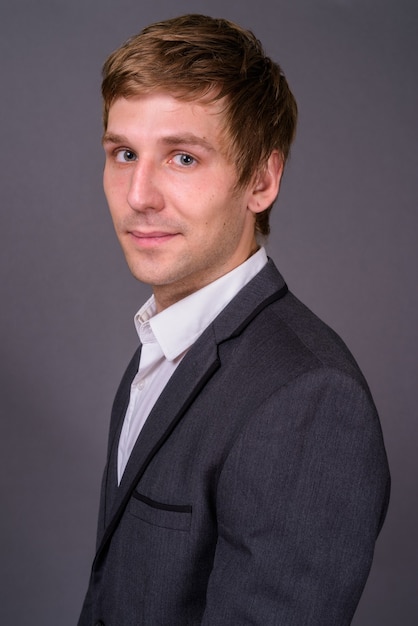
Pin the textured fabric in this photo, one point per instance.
(258, 485)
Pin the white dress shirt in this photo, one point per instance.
(165, 339)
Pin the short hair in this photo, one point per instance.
(196, 57)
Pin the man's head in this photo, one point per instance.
(199, 58)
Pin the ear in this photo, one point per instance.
(266, 184)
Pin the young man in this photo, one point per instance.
(246, 479)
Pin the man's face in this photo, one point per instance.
(172, 194)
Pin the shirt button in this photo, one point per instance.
(141, 385)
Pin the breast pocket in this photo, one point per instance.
(171, 516)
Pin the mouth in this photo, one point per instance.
(150, 239)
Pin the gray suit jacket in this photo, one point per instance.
(258, 485)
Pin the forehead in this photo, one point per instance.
(159, 113)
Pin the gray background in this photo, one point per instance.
(344, 236)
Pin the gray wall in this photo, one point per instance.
(344, 235)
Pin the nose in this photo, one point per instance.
(144, 189)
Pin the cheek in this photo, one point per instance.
(116, 202)
(116, 195)
(108, 188)
(114, 181)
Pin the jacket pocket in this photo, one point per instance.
(172, 516)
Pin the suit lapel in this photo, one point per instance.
(183, 387)
(119, 408)
(196, 368)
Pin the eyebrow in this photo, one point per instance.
(188, 139)
(112, 138)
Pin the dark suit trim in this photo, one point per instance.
(120, 406)
(178, 508)
(277, 295)
(118, 514)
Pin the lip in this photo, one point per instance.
(150, 239)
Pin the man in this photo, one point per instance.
(246, 479)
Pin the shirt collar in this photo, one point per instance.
(177, 327)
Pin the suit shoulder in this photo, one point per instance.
(295, 336)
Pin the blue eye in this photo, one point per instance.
(184, 159)
(125, 156)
